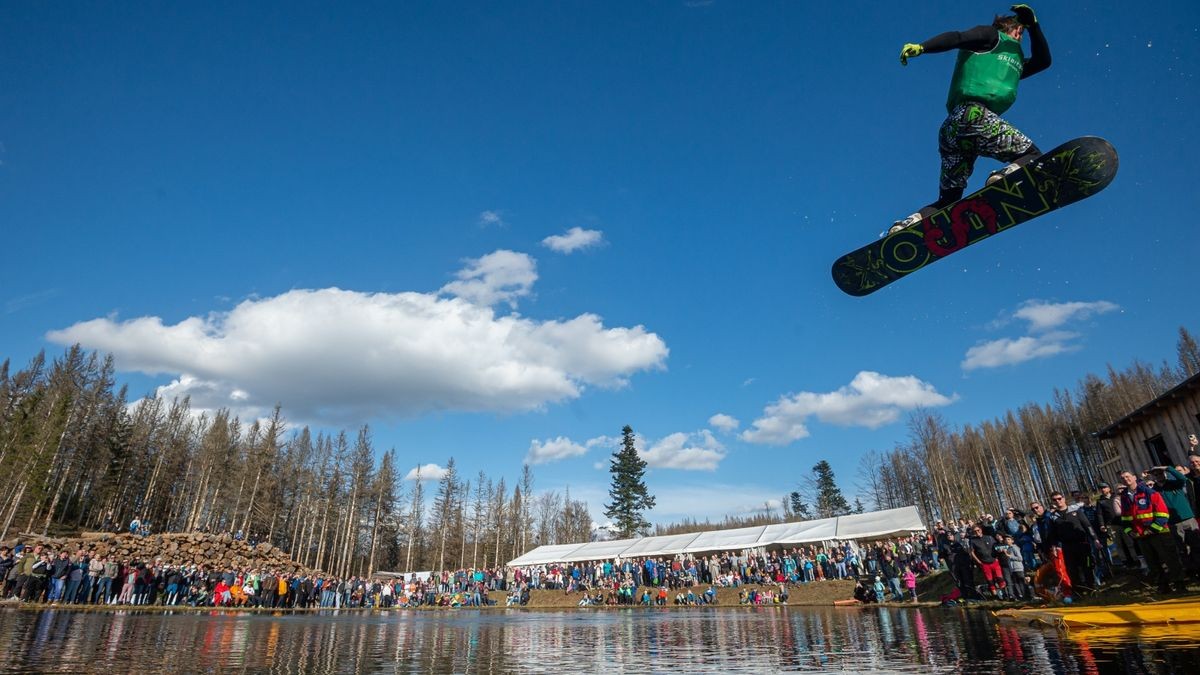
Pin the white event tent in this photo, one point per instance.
(860, 526)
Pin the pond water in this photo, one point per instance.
(723, 640)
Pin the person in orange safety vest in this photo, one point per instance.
(1144, 516)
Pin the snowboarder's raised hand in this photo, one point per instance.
(909, 51)
(1024, 14)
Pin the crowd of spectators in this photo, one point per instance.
(1071, 544)
(1064, 547)
(37, 574)
(80, 577)
(894, 563)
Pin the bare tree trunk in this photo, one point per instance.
(237, 505)
(321, 539)
(12, 509)
(351, 536)
(408, 554)
(298, 527)
(75, 495)
(62, 482)
(250, 508)
(307, 533)
(152, 485)
(375, 533)
(461, 528)
(337, 554)
(201, 499)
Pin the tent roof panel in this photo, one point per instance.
(880, 523)
(662, 545)
(599, 550)
(809, 531)
(724, 540)
(858, 526)
(544, 554)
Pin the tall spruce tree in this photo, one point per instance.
(628, 492)
(830, 501)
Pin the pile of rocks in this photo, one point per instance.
(219, 551)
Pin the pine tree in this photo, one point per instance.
(858, 506)
(628, 492)
(830, 501)
(799, 507)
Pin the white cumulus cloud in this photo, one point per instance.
(700, 451)
(1009, 351)
(697, 451)
(425, 472)
(573, 239)
(1049, 315)
(552, 450)
(604, 442)
(500, 276)
(341, 357)
(1044, 338)
(870, 400)
(723, 422)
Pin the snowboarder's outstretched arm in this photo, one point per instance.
(984, 38)
(977, 39)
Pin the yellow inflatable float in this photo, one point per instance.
(1168, 612)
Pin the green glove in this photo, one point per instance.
(910, 50)
(1024, 14)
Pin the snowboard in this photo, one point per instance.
(1073, 171)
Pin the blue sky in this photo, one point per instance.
(502, 231)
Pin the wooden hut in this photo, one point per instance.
(1161, 432)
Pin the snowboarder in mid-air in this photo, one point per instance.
(1030, 185)
(984, 85)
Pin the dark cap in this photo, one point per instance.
(1105, 485)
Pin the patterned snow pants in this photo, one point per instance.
(971, 130)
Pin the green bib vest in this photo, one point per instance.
(989, 78)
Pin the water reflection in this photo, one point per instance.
(720, 640)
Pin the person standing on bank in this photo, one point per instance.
(1145, 518)
(1072, 534)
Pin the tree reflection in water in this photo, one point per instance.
(704, 640)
